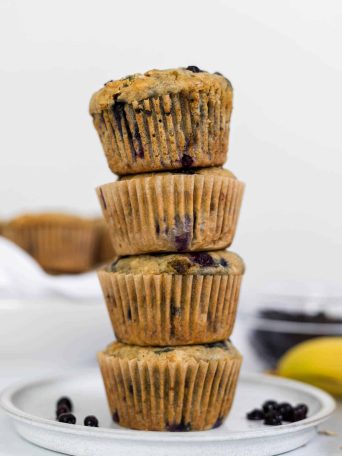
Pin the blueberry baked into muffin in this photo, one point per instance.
(173, 299)
(163, 120)
(60, 243)
(187, 388)
(190, 210)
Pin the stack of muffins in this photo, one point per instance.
(172, 294)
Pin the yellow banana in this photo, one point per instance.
(316, 361)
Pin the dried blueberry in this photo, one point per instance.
(65, 401)
(187, 161)
(91, 421)
(269, 405)
(68, 418)
(194, 69)
(255, 415)
(203, 259)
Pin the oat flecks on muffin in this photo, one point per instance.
(163, 119)
(184, 353)
(204, 263)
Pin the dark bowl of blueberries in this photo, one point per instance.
(284, 318)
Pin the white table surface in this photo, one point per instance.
(12, 445)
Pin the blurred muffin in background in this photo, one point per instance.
(2, 225)
(60, 243)
(104, 249)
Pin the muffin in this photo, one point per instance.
(2, 226)
(187, 388)
(173, 299)
(59, 242)
(163, 120)
(184, 211)
(104, 247)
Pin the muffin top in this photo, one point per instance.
(206, 352)
(48, 218)
(220, 262)
(213, 171)
(155, 83)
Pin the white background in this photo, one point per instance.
(284, 60)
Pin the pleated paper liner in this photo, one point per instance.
(57, 249)
(171, 212)
(170, 394)
(171, 309)
(167, 132)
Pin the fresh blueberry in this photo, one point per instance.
(269, 405)
(298, 413)
(65, 401)
(255, 415)
(272, 418)
(68, 418)
(285, 410)
(62, 409)
(91, 421)
(303, 408)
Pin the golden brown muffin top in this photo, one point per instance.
(155, 83)
(220, 262)
(213, 171)
(48, 218)
(187, 353)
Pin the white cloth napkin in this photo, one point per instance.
(22, 277)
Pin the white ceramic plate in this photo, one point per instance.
(31, 406)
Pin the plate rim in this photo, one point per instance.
(328, 405)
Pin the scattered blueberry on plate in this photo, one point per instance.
(64, 415)
(68, 418)
(256, 415)
(274, 414)
(91, 420)
(66, 402)
(62, 409)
